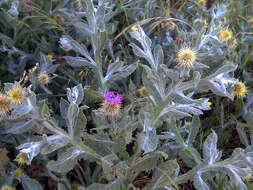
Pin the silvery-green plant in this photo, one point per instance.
(149, 134)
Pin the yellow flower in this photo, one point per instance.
(204, 22)
(186, 57)
(4, 104)
(22, 158)
(239, 89)
(7, 187)
(44, 79)
(143, 91)
(202, 3)
(16, 95)
(134, 28)
(209, 103)
(251, 22)
(224, 35)
(224, 6)
(17, 173)
(49, 57)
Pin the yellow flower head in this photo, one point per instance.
(186, 57)
(7, 187)
(224, 6)
(202, 3)
(143, 91)
(134, 28)
(22, 158)
(49, 57)
(239, 89)
(16, 95)
(44, 79)
(224, 35)
(4, 104)
(209, 103)
(17, 173)
(204, 22)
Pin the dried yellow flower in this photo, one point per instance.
(22, 158)
(4, 104)
(143, 91)
(44, 79)
(239, 89)
(186, 57)
(17, 173)
(16, 95)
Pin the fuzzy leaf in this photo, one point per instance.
(30, 184)
(194, 129)
(210, 151)
(66, 161)
(199, 183)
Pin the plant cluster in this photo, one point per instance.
(126, 95)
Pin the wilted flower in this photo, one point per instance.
(112, 104)
(4, 104)
(224, 35)
(44, 78)
(17, 173)
(186, 57)
(202, 2)
(22, 158)
(143, 91)
(7, 187)
(239, 89)
(65, 43)
(16, 95)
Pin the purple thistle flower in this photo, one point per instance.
(113, 98)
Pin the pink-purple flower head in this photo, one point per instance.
(113, 98)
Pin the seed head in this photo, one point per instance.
(16, 95)
(4, 104)
(239, 89)
(44, 79)
(186, 57)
